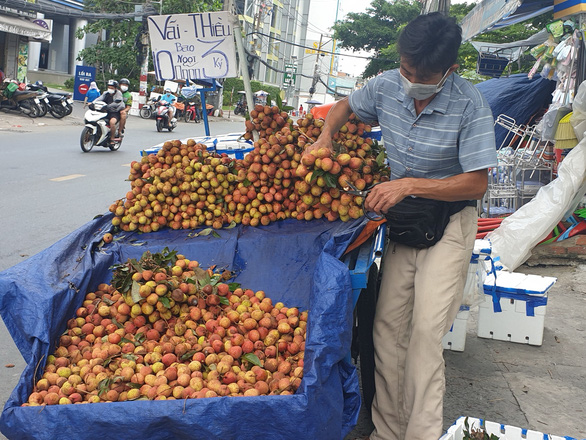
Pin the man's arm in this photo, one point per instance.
(465, 186)
(336, 117)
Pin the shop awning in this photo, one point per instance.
(513, 50)
(20, 26)
(494, 14)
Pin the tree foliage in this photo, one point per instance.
(115, 53)
(378, 29)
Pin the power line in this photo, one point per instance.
(313, 48)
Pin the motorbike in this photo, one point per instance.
(240, 108)
(147, 111)
(190, 113)
(97, 128)
(26, 102)
(163, 117)
(58, 104)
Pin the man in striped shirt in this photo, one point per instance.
(438, 133)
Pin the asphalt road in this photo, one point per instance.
(49, 188)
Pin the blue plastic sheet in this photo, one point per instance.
(516, 96)
(294, 262)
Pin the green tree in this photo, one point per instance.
(115, 53)
(378, 29)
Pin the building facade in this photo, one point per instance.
(276, 32)
(48, 53)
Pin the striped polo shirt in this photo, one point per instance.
(452, 135)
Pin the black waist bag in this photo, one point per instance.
(419, 222)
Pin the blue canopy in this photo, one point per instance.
(516, 96)
(292, 261)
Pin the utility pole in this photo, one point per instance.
(316, 68)
(244, 68)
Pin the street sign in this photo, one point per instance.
(193, 46)
(84, 75)
(290, 75)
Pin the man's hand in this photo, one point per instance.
(322, 142)
(386, 195)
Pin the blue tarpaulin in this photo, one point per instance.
(516, 96)
(293, 262)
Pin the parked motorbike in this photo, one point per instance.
(147, 111)
(58, 104)
(240, 108)
(163, 117)
(97, 128)
(26, 102)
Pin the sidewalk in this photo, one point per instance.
(541, 388)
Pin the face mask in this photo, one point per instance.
(111, 91)
(123, 88)
(421, 92)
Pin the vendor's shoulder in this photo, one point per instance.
(468, 90)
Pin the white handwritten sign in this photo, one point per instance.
(193, 46)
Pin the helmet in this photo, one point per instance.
(112, 83)
(124, 81)
(167, 90)
(39, 83)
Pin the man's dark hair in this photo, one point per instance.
(430, 43)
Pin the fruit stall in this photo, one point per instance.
(214, 301)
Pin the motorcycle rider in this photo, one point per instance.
(113, 97)
(171, 99)
(127, 97)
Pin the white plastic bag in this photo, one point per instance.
(513, 240)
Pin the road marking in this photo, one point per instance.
(71, 176)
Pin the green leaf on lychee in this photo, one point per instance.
(187, 355)
(224, 301)
(246, 183)
(125, 340)
(233, 286)
(135, 292)
(380, 159)
(252, 358)
(231, 225)
(331, 180)
(316, 173)
(115, 321)
(165, 301)
(133, 385)
(129, 356)
(215, 234)
(140, 337)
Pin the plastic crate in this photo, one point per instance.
(505, 432)
(519, 314)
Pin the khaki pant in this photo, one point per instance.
(419, 298)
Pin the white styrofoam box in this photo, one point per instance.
(455, 339)
(512, 323)
(503, 432)
(523, 300)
